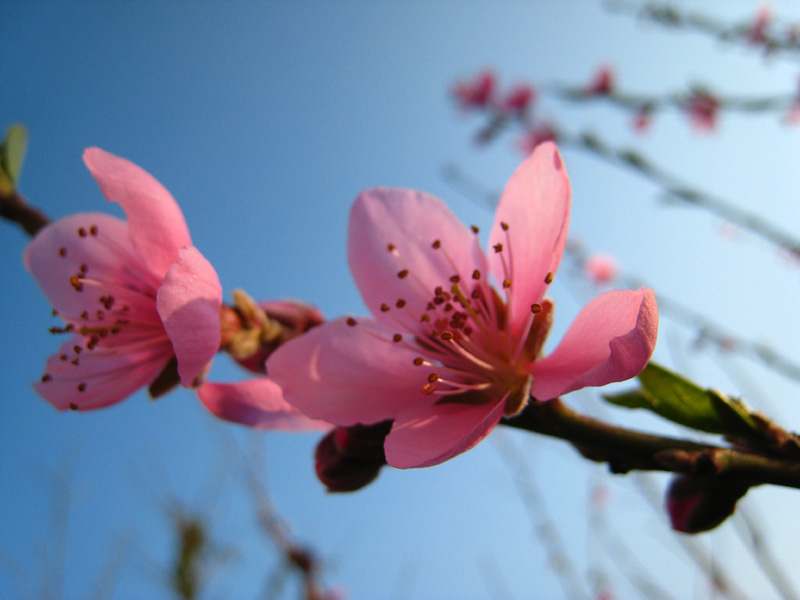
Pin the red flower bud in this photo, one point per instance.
(602, 83)
(477, 93)
(349, 458)
(697, 504)
(519, 99)
(292, 317)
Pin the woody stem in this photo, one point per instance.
(626, 449)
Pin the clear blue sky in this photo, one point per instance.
(265, 120)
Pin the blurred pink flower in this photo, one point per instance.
(643, 118)
(601, 84)
(702, 108)
(135, 295)
(601, 268)
(519, 99)
(540, 134)
(757, 32)
(447, 354)
(477, 93)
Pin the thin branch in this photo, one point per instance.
(681, 191)
(543, 524)
(14, 208)
(626, 449)
(750, 534)
(668, 15)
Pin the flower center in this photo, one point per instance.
(117, 307)
(467, 350)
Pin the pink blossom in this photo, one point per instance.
(477, 93)
(601, 268)
(447, 354)
(519, 99)
(643, 118)
(135, 295)
(257, 403)
(757, 32)
(537, 135)
(702, 109)
(601, 84)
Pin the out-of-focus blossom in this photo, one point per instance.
(447, 354)
(602, 83)
(141, 303)
(702, 107)
(477, 92)
(696, 504)
(643, 118)
(519, 99)
(601, 268)
(757, 32)
(541, 133)
(792, 35)
(348, 458)
(793, 114)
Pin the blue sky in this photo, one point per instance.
(265, 120)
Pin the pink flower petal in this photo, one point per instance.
(535, 207)
(98, 377)
(439, 432)
(610, 340)
(348, 374)
(157, 227)
(256, 403)
(392, 231)
(189, 302)
(59, 252)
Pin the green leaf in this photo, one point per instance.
(12, 153)
(735, 414)
(674, 398)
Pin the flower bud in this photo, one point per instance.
(348, 458)
(697, 504)
(252, 331)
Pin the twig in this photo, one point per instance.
(625, 449)
(708, 564)
(749, 532)
(543, 524)
(669, 16)
(14, 208)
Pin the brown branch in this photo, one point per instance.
(625, 449)
(14, 208)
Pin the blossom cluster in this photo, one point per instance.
(453, 345)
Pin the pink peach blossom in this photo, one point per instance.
(135, 295)
(447, 354)
(702, 109)
(602, 83)
(543, 132)
(757, 32)
(477, 93)
(519, 99)
(601, 268)
(257, 403)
